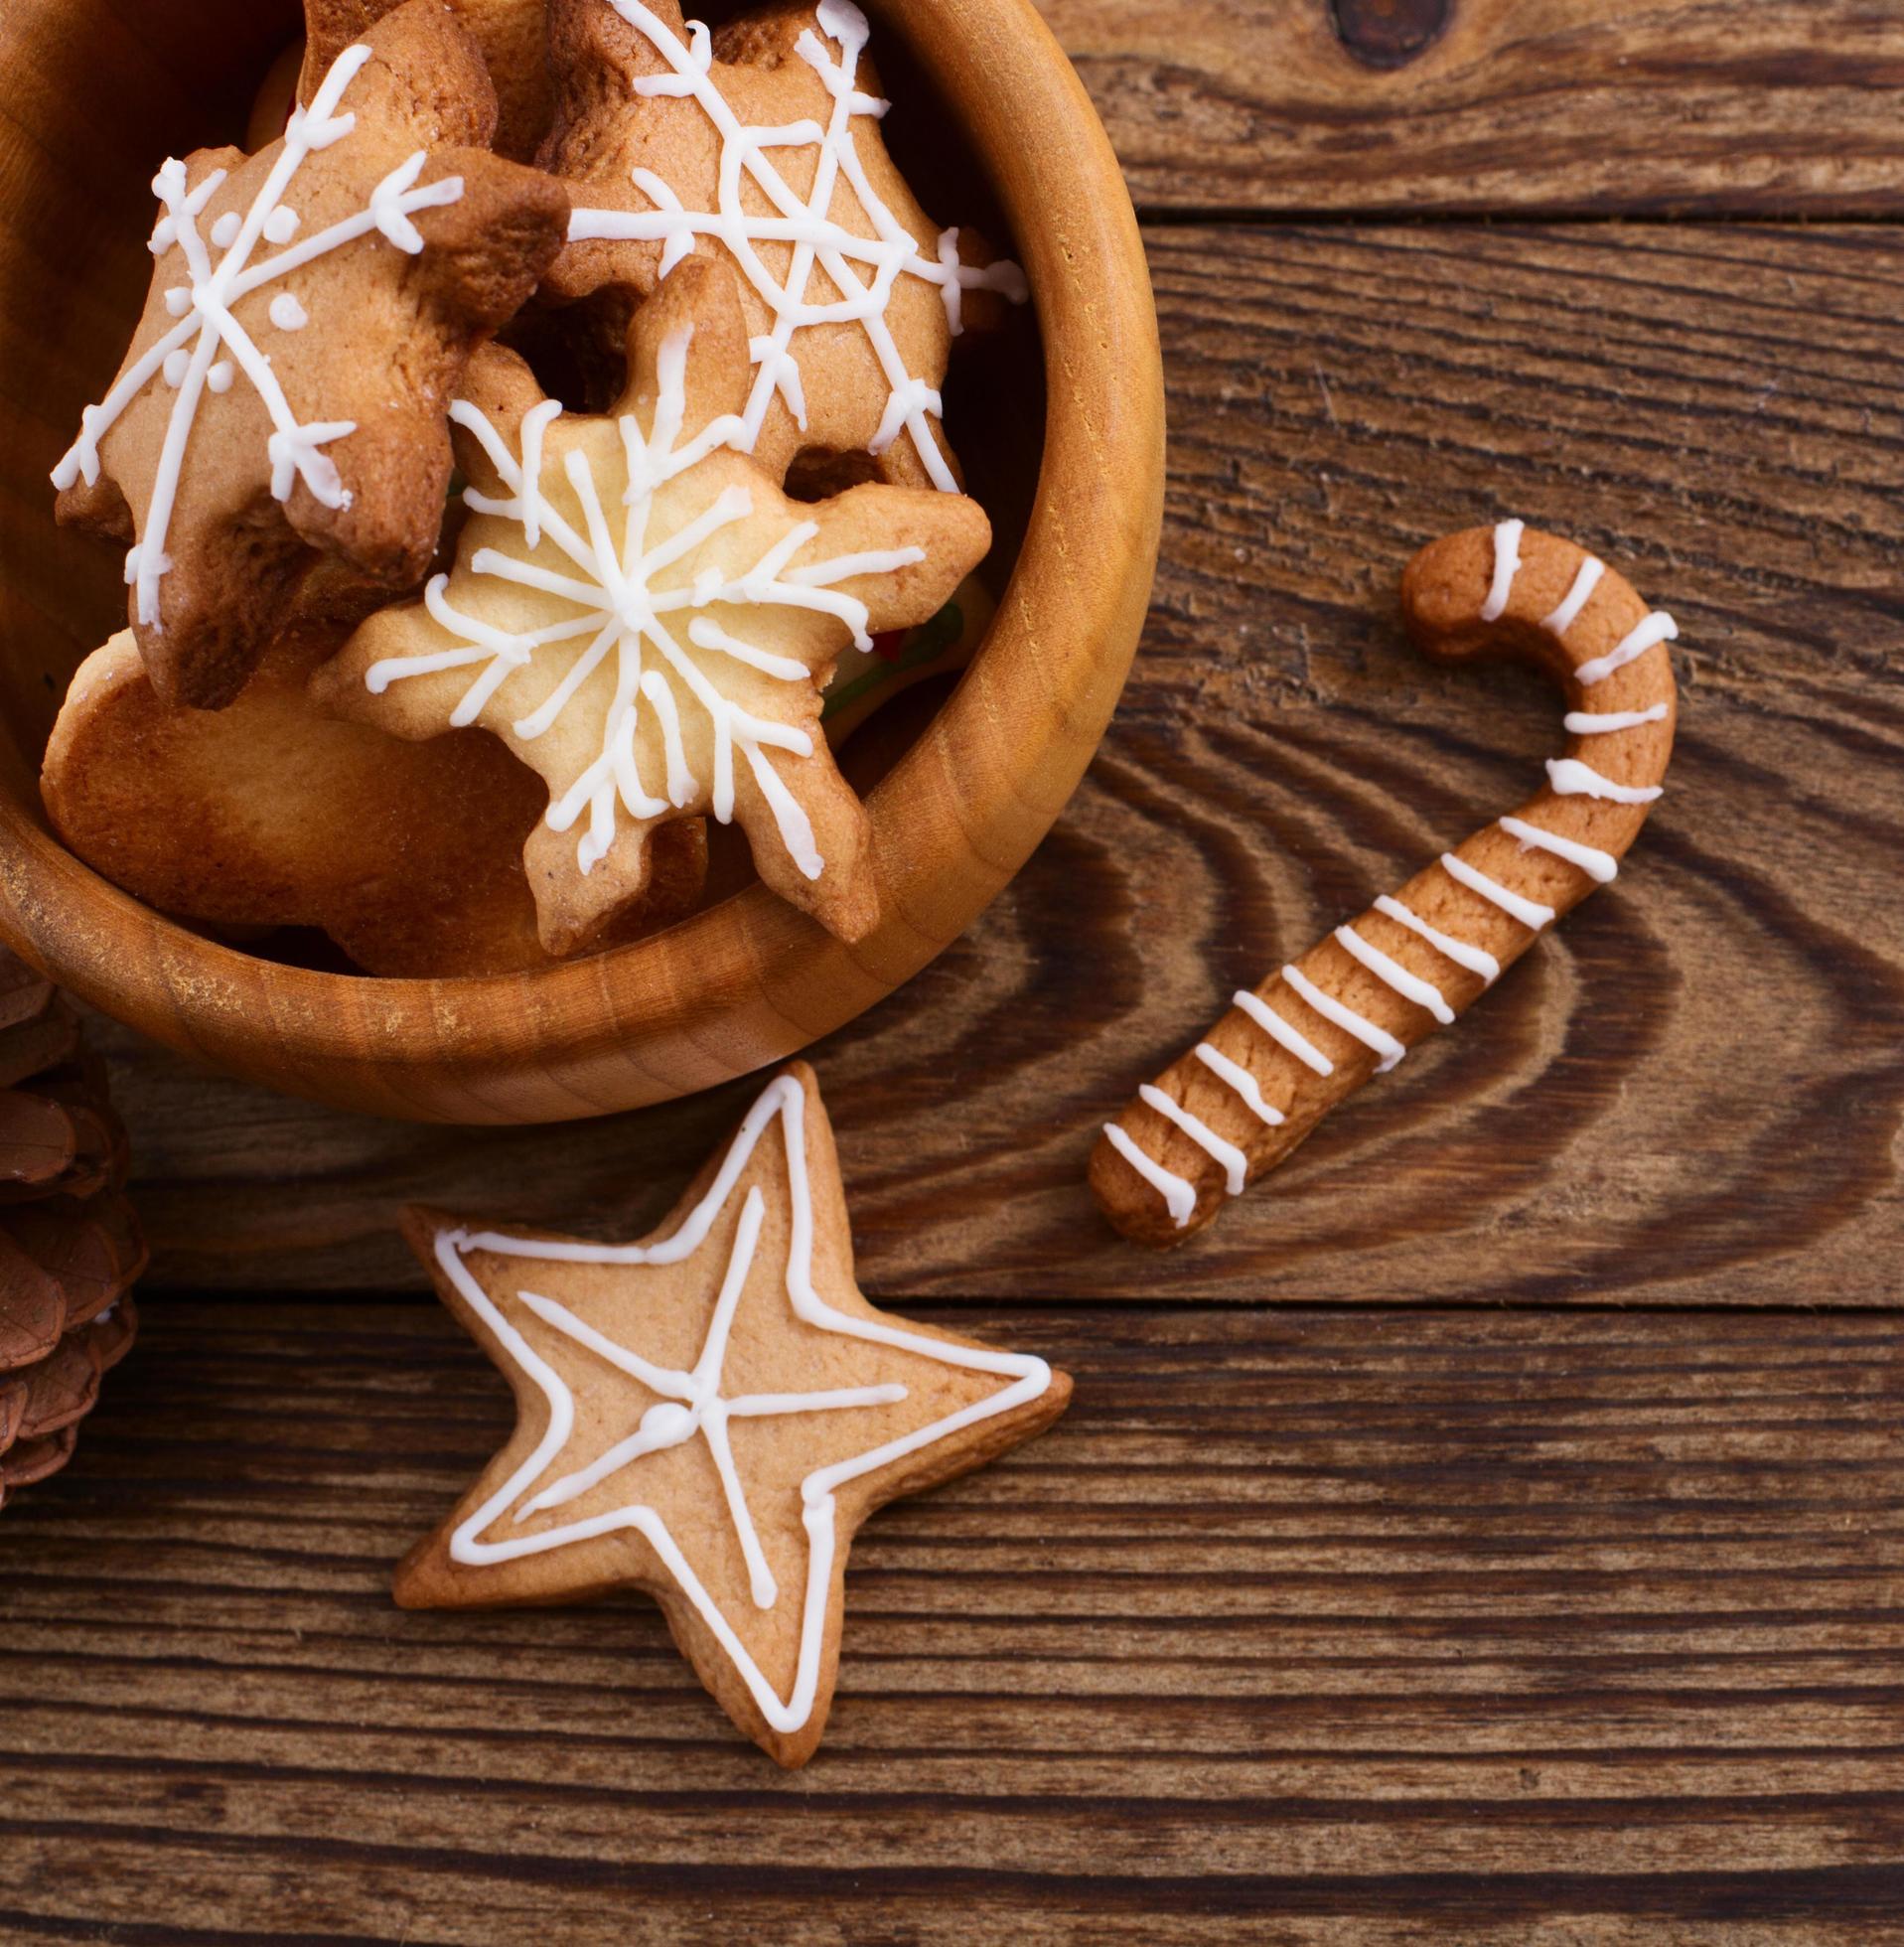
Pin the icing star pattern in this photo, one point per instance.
(649, 621)
(624, 1466)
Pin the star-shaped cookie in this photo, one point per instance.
(710, 1414)
(760, 144)
(649, 621)
(311, 313)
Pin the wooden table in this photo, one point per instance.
(1495, 1529)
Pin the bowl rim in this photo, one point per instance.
(749, 981)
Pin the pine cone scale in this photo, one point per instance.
(69, 1245)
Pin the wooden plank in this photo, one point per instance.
(1548, 107)
(1690, 1093)
(1476, 1627)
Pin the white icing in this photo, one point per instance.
(1529, 912)
(1658, 627)
(1235, 1164)
(1279, 1030)
(1572, 778)
(1410, 986)
(1585, 583)
(692, 1406)
(1331, 1009)
(864, 270)
(1241, 1081)
(1475, 959)
(287, 313)
(1568, 776)
(206, 327)
(1596, 864)
(1506, 564)
(1180, 1198)
(625, 603)
(1591, 723)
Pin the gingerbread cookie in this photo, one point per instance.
(270, 813)
(514, 38)
(709, 1414)
(311, 313)
(647, 620)
(1351, 1007)
(759, 145)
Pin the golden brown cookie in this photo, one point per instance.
(310, 312)
(514, 38)
(709, 1414)
(268, 814)
(647, 620)
(759, 145)
(1352, 1007)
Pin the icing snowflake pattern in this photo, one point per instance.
(621, 610)
(192, 357)
(863, 270)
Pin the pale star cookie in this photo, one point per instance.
(648, 621)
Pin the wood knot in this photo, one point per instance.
(1389, 33)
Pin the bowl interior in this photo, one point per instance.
(90, 283)
(993, 129)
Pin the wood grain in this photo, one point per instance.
(1689, 1093)
(1477, 1627)
(1484, 106)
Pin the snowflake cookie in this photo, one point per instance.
(760, 144)
(710, 1414)
(310, 312)
(648, 620)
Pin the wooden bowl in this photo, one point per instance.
(94, 96)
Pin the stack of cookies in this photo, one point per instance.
(451, 667)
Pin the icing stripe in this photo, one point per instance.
(1595, 863)
(1658, 627)
(1240, 1080)
(1180, 1198)
(1476, 959)
(1572, 778)
(1410, 986)
(1506, 564)
(1347, 1019)
(1588, 723)
(1279, 1030)
(1585, 583)
(1529, 912)
(1236, 1168)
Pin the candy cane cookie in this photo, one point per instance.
(1351, 1007)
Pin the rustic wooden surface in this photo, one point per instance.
(1483, 1627)
(1340, 1608)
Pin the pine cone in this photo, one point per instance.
(69, 1247)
